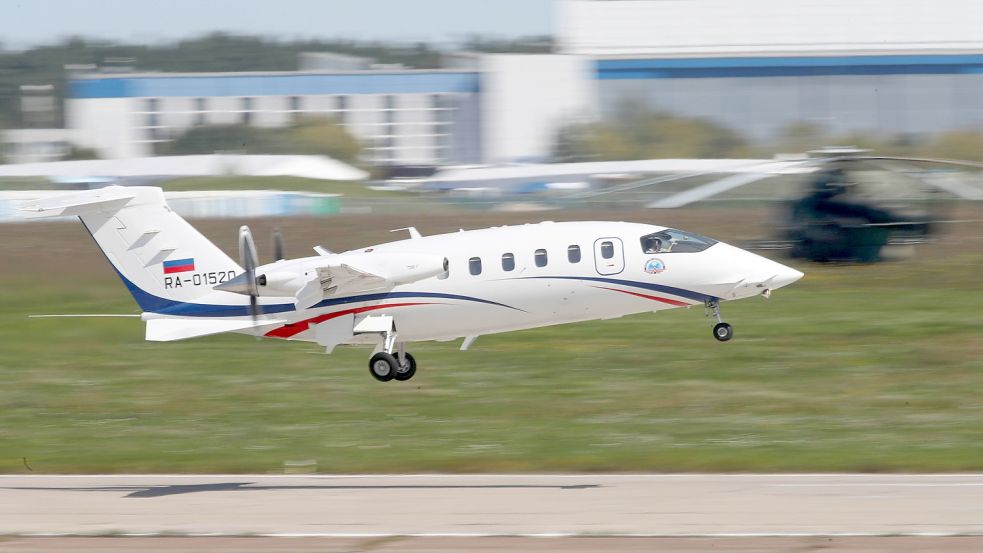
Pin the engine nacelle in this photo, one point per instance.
(397, 268)
(280, 283)
(311, 279)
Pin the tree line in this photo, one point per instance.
(216, 52)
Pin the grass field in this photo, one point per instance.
(869, 368)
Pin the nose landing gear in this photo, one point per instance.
(721, 331)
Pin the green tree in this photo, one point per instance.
(800, 137)
(322, 136)
(314, 136)
(210, 139)
(79, 153)
(637, 134)
(966, 145)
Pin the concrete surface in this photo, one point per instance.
(471, 506)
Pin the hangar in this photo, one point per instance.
(756, 66)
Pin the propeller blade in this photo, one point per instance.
(247, 254)
(277, 245)
(254, 309)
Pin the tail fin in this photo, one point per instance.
(161, 258)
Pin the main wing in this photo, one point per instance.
(338, 280)
(312, 280)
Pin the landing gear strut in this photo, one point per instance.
(721, 331)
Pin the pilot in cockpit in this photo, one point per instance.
(675, 241)
(652, 244)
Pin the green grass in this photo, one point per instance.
(869, 368)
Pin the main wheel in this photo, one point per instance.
(723, 332)
(406, 371)
(383, 366)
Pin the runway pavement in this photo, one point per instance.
(482, 505)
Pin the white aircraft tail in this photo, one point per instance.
(163, 260)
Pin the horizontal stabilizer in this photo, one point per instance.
(169, 330)
(110, 198)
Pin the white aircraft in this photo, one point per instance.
(441, 287)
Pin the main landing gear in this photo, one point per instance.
(388, 364)
(721, 331)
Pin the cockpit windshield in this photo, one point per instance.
(675, 241)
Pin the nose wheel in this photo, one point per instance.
(721, 331)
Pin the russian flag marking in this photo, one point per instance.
(179, 266)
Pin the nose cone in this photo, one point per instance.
(733, 273)
(785, 276)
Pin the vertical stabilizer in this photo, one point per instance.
(161, 258)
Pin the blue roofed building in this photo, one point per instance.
(755, 66)
(401, 116)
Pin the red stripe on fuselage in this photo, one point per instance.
(676, 303)
(293, 329)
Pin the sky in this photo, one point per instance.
(25, 23)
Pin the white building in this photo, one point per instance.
(34, 145)
(756, 66)
(402, 117)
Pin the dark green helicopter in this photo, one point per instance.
(856, 204)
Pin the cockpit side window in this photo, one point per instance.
(675, 241)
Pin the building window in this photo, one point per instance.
(540, 257)
(607, 250)
(341, 104)
(295, 108)
(573, 253)
(508, 262)
(474, 265)
(201, 105)
(247, 111)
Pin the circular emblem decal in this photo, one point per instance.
(654, 266)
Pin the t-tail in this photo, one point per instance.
(169, 267)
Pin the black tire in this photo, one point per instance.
(382, 366)
(404, 373)
(723, 332)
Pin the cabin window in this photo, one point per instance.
(607, 249)
(508, 262)
(474, 265)
(541, 258)
(573, 253)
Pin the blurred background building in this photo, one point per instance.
(756, 67)
(760, 65)
(401, 116)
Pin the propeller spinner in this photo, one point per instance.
(248, 282)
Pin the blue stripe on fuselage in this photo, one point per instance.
(156, 304)
(681, 292)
